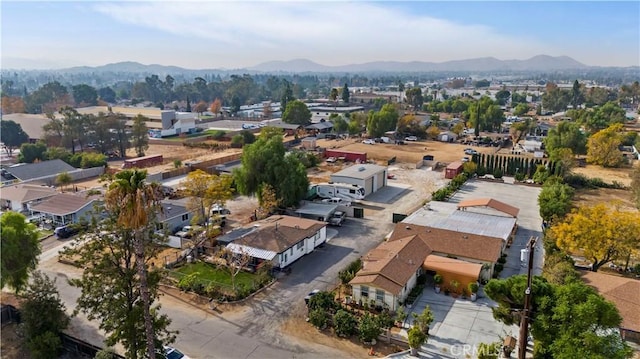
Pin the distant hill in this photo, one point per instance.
(536, 63)
(484, 64)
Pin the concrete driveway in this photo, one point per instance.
(460, 325)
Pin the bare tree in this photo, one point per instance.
(233, 262)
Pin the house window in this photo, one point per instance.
(380, 295)
(300, 245)
(185, 217)
(364, 291)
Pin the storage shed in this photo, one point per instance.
(370, 177)
(309, 143)
(453, 169)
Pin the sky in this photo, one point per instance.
(239, 34)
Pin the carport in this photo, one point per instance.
(317, 211)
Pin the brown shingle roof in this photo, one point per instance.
(62, 204)
(490, 202)
(454, 243)
(278, 233)
(390, 265)
(623, 292)
(26, 192)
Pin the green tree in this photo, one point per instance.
(415, 98)
(368, 328)
(84, 95)
(140, 135)
(297, 112)
(521, 109)
(555, 201)
(345, 323)
(577, 95)
(107, 94)
(603, 147)
(32, 152)
(135, 203)
(44, 317)
(247, 137)
(605, 116)
(63, 179)
(287, 96)
(417, 338)
(502, 97)
(12, 136)
(566, 135)
(345, 93)
(340, 125)
(423, 320)
(577, 322)
(206, 191)
(20, 250)
(555, 99)
(382, 121)
(264, 162)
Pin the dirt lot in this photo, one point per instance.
(604, 195)
(608, 175)
(412, 152)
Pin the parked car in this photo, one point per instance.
(337, 218)
(173, 353)
(470, 151)
(69, 230)
(331, 160)
(465, 159)
(411, 138)
(369, 142)
(311, 294)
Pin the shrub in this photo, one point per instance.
(322, 300)
(519, 176)
(473, 287)
(345, 323)
(385, 320)
(349, 273)
(368, 328)
(416, 337)
(189, 282)
(497, 173)
(498, 267)
(218, 134)
(437, 279)
(481, 171)
(318, 318)
(502, 260)
(401, 314)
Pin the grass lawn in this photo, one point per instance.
(44, 233)
(208, 272)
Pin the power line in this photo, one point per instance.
(524, 319)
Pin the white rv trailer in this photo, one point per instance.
(345, 191)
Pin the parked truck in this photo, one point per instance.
(337, 218)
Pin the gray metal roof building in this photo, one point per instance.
(40, 169)
(369, 176)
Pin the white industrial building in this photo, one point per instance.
(370, 177)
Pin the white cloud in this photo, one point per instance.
(331, 33)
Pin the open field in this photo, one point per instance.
(608, 175)
(589, 197)
(412, 152)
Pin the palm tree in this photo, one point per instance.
(136, 202)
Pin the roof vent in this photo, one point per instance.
(407, 227)
(465, 236)
(168, 208)
(411, 261)
(361, 169)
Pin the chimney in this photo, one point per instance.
(276, 226)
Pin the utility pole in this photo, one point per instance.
(524, 319)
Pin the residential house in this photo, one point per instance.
(280, 240)
(456, 256)
(65, 208)
(18, 197)
(625, 294)
(389, 272)
(45, 171)
(173, 216)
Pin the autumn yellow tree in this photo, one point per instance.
(200, 107)
(268, 201)
(216, 105)
(602, 147)
(12, 104)
(433, 132)
(600, 233)
(205, 191)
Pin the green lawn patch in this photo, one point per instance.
(210, 273)
(42, 233)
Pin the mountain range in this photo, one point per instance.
(483, 64)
